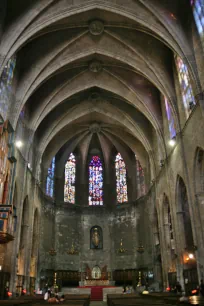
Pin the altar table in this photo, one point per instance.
(96, 282)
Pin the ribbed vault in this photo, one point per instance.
(105, 63)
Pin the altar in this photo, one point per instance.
(97, 282)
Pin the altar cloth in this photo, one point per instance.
(96, 292)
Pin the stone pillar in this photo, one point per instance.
(180, 247)
(200, 234)
(3, 6)
(167, 252)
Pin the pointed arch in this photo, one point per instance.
(70, 179)
(95, 181)
(121, 179)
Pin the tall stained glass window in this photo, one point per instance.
(95, 181)
(70, 177)
(121, 179)
(170, 117)
(198, 12)
(50, 179)
(186, 88)
(6, 86)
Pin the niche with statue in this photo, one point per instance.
(96, 237)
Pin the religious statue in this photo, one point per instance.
(95, 237)
(96, 272)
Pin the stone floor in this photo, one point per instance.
(98, 303)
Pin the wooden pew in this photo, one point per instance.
(14, 302)
(131, 300)
(78, 297)
(70, 300)
(114, 297)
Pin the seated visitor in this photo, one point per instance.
(46, 296)
(54, 299)
(62, 298)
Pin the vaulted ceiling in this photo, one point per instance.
(86, 67)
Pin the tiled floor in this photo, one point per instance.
(96, 303)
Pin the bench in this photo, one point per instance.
(70, 299)
(132, 299)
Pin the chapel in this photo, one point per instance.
(101, 144)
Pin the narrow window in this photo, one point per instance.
(121, 179)
(95, 181)
(170, 118)
(186, 88)
(70, 178)
(50, 179)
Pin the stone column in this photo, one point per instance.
(3, 6)
(180, 247)
(167, 251)
(200, 234)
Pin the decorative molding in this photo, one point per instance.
(95, 66)
(96, 27)
(94, 97)
(95, 128)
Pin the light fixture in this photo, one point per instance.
(19, 144)
(72, 250)
(161, 163)
(191, 256)
(172, 142)
(121, 249)
(140, 248)
(52, 252)
(0, 268)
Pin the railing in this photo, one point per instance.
(5, 232)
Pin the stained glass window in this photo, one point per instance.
(186, 88)
(121, 179)
(140, 179)
(198, 12)
(95, 181)
(6, 86)
(70, 177)
(50, 179)
(170, 117)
